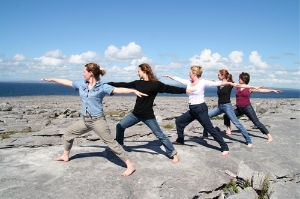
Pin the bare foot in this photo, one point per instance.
(130, 168)
(228, 132)
(225, 153)
(250, 145)
(175, 159)
(62, 158)
(270, 138)
(203, 137)
(128, 171)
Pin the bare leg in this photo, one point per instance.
(130, 168)
(270, 138)
(225, 153)
(64, 157)
(175, 159)
(228, 130)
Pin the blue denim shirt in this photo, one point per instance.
(92, 99)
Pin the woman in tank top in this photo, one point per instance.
(243, 105)
(225, 106)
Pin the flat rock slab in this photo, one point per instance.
(95, 172)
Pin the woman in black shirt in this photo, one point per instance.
(143, 109)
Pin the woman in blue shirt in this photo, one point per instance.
(92, 92)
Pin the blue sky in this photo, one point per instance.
(41, 39)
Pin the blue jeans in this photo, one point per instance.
(131, 120)
(229, 112)
(250, 113)
(198, 112)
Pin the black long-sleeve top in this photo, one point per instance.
(143, 107)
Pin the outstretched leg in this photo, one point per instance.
(170, 150)
(73, 131)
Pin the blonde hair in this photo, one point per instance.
(95, 69)
(197, 70)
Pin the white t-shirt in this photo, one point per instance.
(197, 97)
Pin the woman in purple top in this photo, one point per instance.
(243, 105)
(92, 92)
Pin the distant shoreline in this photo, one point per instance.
(50, 89)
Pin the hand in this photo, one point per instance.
(188, 91)
(277, 91)
(140, 94)
(46, 80)
(169, 76)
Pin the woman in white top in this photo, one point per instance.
(197, 107)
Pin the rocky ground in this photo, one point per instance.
(31, 129)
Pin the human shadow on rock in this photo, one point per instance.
(107, 154)
(153, 145)
(203, 143)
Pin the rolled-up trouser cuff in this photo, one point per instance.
(173, 153)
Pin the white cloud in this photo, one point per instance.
(55, 54)
(55, 64)
(255, 59)
(131, 51)
(208, 60)
(18, 58)
(236, 57)
(84, 58)
(50, 61)
(281, 72)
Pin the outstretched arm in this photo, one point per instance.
(264, 90)
(182, 81)
(128, 91)
(169, 76)
(64, 82)
(245, 86)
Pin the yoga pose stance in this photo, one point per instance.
(143, 108)
(225, 106)
(243, 105)
(92, 92)
(197, 107)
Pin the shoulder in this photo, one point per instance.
(79, 82)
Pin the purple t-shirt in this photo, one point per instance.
(243, 97)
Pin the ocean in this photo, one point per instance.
(15, 89)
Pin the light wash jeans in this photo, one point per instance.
(131, 120)
(229, 112)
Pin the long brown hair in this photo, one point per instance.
(146, 68)
(227, 75)
(95, 69)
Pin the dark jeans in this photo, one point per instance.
(198, 112)
(250, 113)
